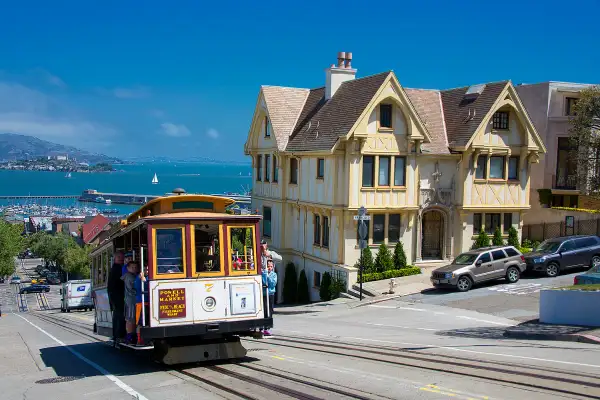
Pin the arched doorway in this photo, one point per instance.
(432, 236)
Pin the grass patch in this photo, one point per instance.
(587, 288)
(394, 273)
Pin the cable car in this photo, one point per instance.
(202, 264)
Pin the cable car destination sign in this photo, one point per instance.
(171, 303)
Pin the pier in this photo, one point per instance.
(33, 197)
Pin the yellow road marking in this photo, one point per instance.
(426, 389)
(279, 358)
(449, 392)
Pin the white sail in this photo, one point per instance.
(155, 179)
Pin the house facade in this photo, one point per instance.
(549, 105)
(432, 167)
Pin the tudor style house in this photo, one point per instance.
(433, 168)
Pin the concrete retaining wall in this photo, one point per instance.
(569, 307)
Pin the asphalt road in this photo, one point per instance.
(394, 350)
(518, 301)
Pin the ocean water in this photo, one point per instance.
(135, 179)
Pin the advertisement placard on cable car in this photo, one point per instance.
(171, 303)
(243, 298)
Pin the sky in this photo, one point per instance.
(181, 78)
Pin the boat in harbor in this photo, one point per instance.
(108, 201)
(68, 175)
(155, 179)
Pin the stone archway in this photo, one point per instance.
(432, 235)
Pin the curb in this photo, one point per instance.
(380, 299)
(564, 337)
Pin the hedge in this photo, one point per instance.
(577, 209)
(394, 273)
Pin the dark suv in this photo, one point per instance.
(555, 255)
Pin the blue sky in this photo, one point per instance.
(181, 78)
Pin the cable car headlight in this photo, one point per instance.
(209, 303)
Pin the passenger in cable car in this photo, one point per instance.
(140, 285)
(116, 296)
(133, 270)
(269, 280)
(128, 259)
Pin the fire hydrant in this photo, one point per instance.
(392, 285)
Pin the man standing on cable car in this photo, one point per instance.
(116, 296)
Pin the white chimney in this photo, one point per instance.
(336, 75)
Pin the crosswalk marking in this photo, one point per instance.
(520, 289)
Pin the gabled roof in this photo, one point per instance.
(428, 104)
(94, 227)
(335, 117)
(284, 104)
(464, 115)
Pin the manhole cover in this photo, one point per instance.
(59, 379)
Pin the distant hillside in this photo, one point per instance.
(21, 147)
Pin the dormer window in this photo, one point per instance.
(385, 116)
(500, 120)
(267, 127)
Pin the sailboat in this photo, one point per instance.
(155, 179)
(68, 175)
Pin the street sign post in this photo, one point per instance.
(363, 232)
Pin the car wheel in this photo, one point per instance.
(512, 275)
(552, 270)
(595, 261)
(464, 284)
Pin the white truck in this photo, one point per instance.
(76, 295)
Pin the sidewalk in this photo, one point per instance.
(534, 330)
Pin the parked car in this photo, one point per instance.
(15, 280)
(591, 277)
(35, 289)
(38, 280)
(561, 253)
(53, 279)
(478, 266)
(44, 272)
(1, 279)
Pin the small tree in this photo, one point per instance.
(325, 289)
(399, 256)
(483, 240)
(367, 261)
(303, 295)
(513, 237)
(497, 239)
(290, 284)
(338, 285)
(384, 261)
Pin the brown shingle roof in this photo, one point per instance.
(457, 108)
(429, 107)
(284, 104)
(333, 118)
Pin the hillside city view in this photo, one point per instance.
(200, 205)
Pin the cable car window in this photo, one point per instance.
(241, 248)
(169, 251)
(207, 248)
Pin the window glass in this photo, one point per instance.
(511, 252)
(570, 103)
(400, 171)
(316, 279)
(568, 246)
(267, 127)
(491, 222)
(294, 170)
(498, 254)
(275, 170)
(267, 221)
(513, 168)
(317, 232)
(320, 168)
(480, 172)
(465, 259)
(500, 120)
(169, 251)
(497, 167)
(394, 228)
(207, 249)
(378, 228)
(258, 167)
(507, 221)
(477, 223)
(384, 171)
(385, 117)
(325, 231)
(267, 168)
(368, 170)
(585, 242)
(548, 246)
(241, 248)
(485, 258)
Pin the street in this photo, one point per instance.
(426, 346)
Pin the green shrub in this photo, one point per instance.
(545, 196)
(535, 244)
(303, 295)
(483, 240)
(338, 285)
(513, 237)
(394, 273)
(367, 261)
(383, 261)
(325, 289)
(497, 239)
(525, 250)
(290, 284)
(399, 256)
(527, 243)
